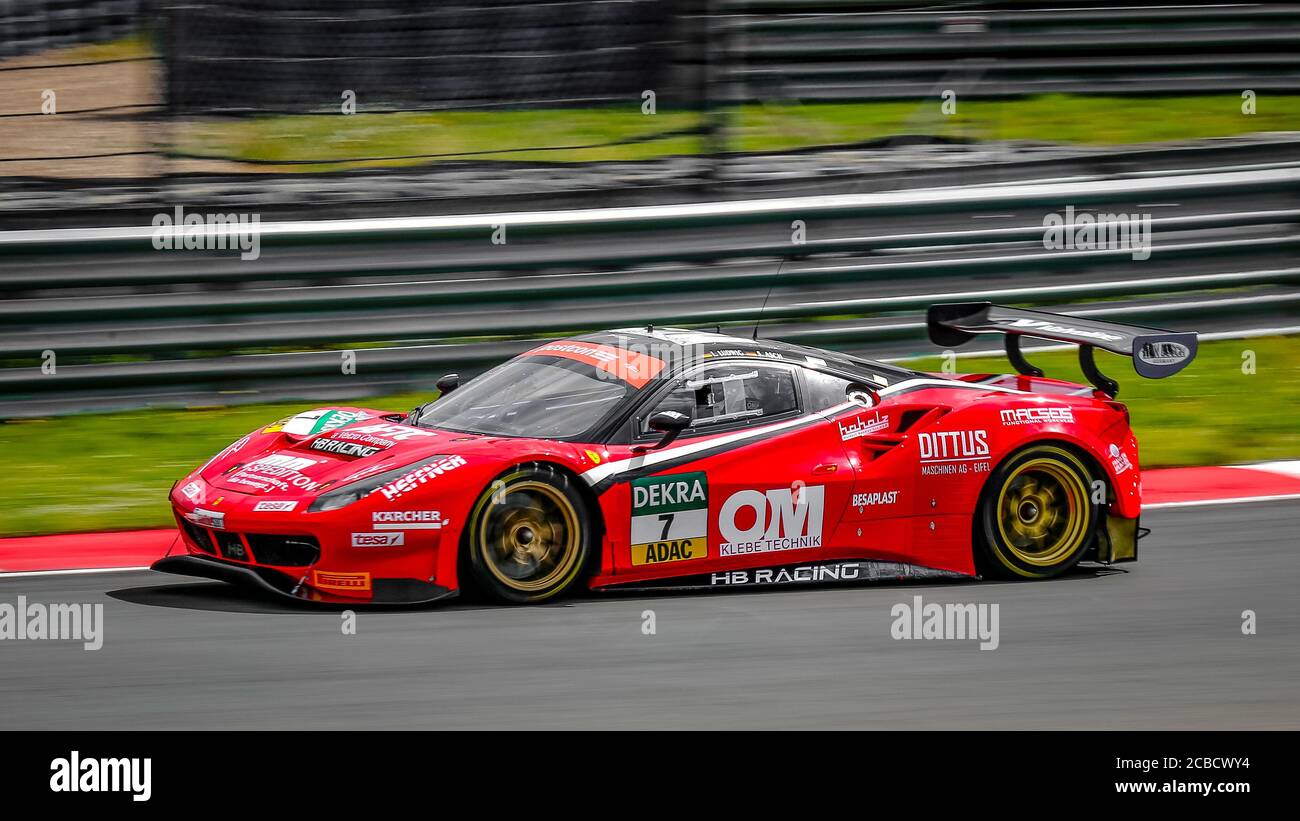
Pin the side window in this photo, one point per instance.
(824, 391)
(728, 394)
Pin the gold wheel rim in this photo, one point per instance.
(1042, 512)
(529, 535)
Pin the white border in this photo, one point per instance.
(1235, 501)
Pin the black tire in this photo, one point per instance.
(1036, 517)
(528, 537)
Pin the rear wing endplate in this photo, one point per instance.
(1155, 353)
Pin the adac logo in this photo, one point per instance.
(673, 551)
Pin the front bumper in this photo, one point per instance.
(318, 557)
(383, 591)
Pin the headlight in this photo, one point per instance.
(347, 494)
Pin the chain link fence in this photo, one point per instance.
(272, 56)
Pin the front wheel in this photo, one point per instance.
(1037, 517)
(528, 537)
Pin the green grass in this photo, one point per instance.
(317, 137)
(101, 471)
(112, 471)
(1057, 118)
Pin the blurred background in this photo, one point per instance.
(948, 131)
(239, 104)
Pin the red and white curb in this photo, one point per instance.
(80, 553)
(77, 553)
(1188, 487)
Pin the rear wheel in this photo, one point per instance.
(1037, 517)
(528, 538)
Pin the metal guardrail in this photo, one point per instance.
(410, 366)
(840, 51)
(1221, 260)
(560, 318)
(696, 214)
(576, 288)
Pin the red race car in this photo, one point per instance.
(652, 457)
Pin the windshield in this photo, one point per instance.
(536, 396)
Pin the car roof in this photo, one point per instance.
(683, 347)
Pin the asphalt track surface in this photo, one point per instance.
(1156, 645)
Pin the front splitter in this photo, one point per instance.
(383, 592)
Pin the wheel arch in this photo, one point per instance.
(595, 518)
(1077, 448)
(1089, 456)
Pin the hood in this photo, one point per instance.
(325, 448)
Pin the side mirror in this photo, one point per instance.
(864, 395)
(447, 384)
(670, 424)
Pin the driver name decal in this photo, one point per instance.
(670, 518)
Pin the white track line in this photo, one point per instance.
(85, 572)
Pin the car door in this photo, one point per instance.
(756, 479)
(877, 522)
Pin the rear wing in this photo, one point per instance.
(1155, 353)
